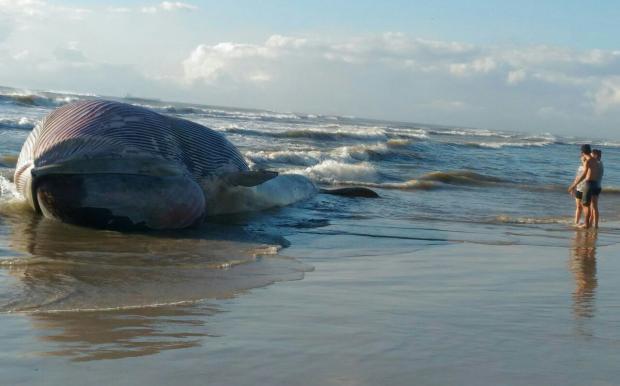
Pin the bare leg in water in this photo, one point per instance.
(578, 210)
(594, 215)
(586, 214)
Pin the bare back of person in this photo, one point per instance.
(593, 170)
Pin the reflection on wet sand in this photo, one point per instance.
(583, 266)
(101, 295)
(96, 335)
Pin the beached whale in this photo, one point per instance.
(110, 164)
(115, 165)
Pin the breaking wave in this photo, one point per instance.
(36, 99)
(11, 201)
(433, 181)
(334, 172)
(354, 153)
(313, 133)
(470, 133)
(499, 145)
(414, 184)
(461, 177)
(22, 123)
(291, 157)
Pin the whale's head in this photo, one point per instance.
(118, 193)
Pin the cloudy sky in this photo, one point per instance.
(534, 66)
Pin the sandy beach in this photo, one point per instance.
(430, 313)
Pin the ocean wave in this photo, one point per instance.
(291, 157)
(504, 219)
(22, 123)
(499, 145)
(180, 110)
(611, 190)
(594, 143)
(311, 133)
(11, 201)
(470, 133)
(36, 99)
(398, 142)
(413, 184)
(545, 137)
(408, 133)
(351, 154)
(607, 144)
(232, 114)
(334, 172)
(461, 177)
(379, 151)
(9, 160)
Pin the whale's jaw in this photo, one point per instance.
(120, 201)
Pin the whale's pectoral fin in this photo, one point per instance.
(249, 178)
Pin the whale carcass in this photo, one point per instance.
(114, 165)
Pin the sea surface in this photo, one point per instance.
(466, 270)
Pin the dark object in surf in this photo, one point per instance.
(114, 165)
(351, 192)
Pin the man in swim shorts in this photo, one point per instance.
(592, 176)
(597, 154)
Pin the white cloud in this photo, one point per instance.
(21, 55)
(607, 97)
(21, 11)
(30, 8)
(176, 5)
(119, 9)
(148, 9)
(260, 77)
(516, 76)
(70, 53)
(542, 63)
(424, 77)
(208, 62)
(169, 6)
(388, 75)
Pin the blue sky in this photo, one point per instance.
(531, 66)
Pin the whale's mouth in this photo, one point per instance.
(118, 193)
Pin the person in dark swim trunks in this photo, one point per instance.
(597, 154)
(591, 175)
(591, 189)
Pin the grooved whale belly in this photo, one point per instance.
(110, 164)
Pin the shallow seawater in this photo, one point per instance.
(466, 270)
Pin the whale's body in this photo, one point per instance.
(109, 164)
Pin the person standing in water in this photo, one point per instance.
(578, 194)
(597, 154)
(592, 175)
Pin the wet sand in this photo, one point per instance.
(374, 311)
